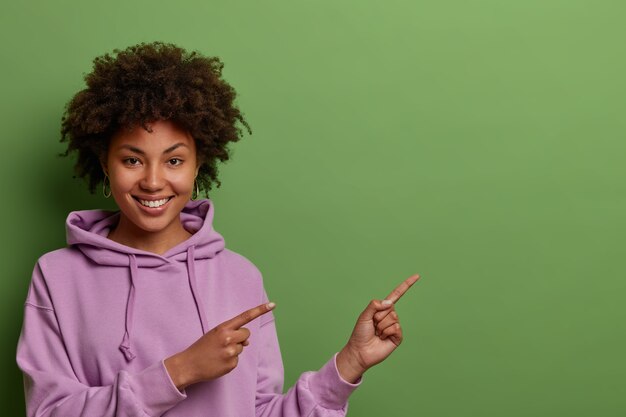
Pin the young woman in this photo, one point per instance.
(145, 312)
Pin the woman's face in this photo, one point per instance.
(152, 174)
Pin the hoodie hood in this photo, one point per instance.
(87, 230)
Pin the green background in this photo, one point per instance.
(479, 143)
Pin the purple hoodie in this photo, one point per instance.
(101, 317)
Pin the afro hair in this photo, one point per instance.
(146, 83)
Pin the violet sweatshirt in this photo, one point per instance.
(101, 317)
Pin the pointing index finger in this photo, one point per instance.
(402, 288)
(248, 315)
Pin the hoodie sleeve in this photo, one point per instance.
(51, 388)
(322, 393)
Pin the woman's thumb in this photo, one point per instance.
(373, 307)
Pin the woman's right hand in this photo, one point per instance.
(216, 353)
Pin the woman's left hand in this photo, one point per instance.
(376, 334)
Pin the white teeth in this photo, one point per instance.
(154, 203)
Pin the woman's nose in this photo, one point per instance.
(153, 180)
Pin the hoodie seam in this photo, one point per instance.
(27, 303)
(267, 322)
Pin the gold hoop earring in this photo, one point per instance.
(104, 186)
(195, 192)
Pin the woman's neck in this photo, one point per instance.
(128, 234)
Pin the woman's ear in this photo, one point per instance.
(103, 164)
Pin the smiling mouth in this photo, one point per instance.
(153, 203)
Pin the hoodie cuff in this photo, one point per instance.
(154, 389)
(329, 388)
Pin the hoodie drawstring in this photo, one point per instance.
(130, 305)
(191, 272)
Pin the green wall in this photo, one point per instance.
(479, 143)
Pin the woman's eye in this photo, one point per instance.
(175, 161)
(131, 161)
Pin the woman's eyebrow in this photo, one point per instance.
(132, 148)
(140, 152)
(174, 147)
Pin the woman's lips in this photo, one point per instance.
(153, 206)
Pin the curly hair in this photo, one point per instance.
(145, 83)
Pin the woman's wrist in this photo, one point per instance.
(175, 366)
(348, 366)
